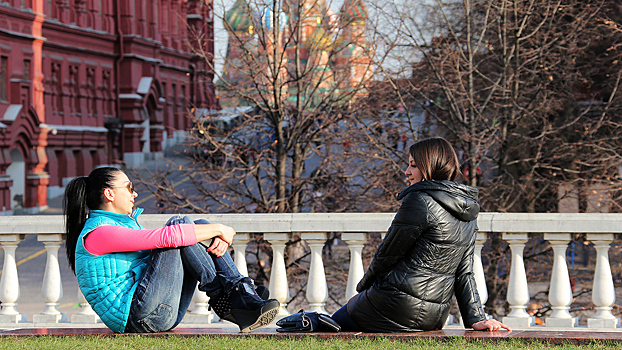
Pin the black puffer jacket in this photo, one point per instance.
(426, 256)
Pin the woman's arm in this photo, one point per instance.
(114, 239)
(466, 290)
(468, 298)
(209, 231)
(409, 222)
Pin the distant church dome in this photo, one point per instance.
(239, 18)
(266, 17)
(319, 39)
(353, 12)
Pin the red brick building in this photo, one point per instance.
(71, 69)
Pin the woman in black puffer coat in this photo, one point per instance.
(426, 255)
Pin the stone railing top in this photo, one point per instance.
(299, 222)
(345, 222)
(551, 222)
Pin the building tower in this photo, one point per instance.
(354, 51)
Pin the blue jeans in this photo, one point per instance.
(167, 285)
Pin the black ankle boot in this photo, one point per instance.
(221, 304)
(248, 309)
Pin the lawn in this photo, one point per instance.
(221, 343)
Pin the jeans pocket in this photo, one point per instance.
(159, 320)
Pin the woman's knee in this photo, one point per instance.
(161, 319)
(178, 219)
(185, 219)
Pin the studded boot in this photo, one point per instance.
(221, 304)
(248, 309)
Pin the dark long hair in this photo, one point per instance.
(436, 159)
(82, 194)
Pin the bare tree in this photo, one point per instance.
(297, 74)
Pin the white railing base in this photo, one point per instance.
(85, 319)
(603, 323)
(194, 318)
(39, 318)
(561, 322)
(31, 325)
(283, 311)
(12, 318)
(519, 322)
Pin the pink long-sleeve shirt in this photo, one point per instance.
(114, 239)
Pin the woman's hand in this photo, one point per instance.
(223, 233)
(226, 234)
(490, 325)
(218, 247)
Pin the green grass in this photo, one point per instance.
(222, 343)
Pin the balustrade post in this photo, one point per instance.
(518, 290)
(52, 287)
(355, 241)
(9, 283)
(603, 291)
(201, 313)
(279, 288)
(478, 267)
(86, 315)
(560, 291)
(317, 291)
(240, 241)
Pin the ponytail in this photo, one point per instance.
(75, 211)
(81, 195)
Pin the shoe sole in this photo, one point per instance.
(267, 314)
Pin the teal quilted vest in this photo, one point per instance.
(108, 281)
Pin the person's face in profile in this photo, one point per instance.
(412, 172)
(123, 194)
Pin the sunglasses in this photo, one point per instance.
(130, 187)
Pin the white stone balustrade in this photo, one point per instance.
(478, 268)
(9, 283)
(518, 290)
(240, 241)
(314, 228)
(279, 288)
(52, 287)
(355, 241)
(560, 290)
(603, 292)
(317, 290)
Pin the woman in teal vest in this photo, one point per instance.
(140, 280)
